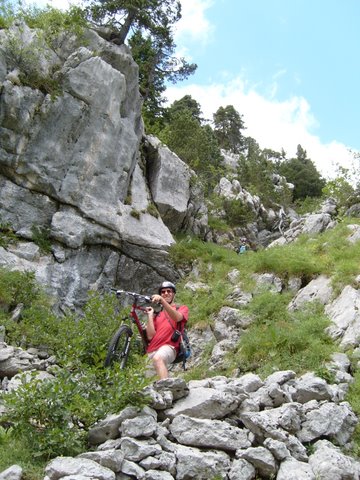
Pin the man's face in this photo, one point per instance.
(168, 294)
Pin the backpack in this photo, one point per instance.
(184, 349)
(184, 345)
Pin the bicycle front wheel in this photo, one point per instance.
(119, 347)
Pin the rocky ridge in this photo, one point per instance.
(283, 427)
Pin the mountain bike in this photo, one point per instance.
(119, 346)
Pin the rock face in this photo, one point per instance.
(174, 439)
(70, 166)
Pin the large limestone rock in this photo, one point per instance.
(71, 165)
(345, 317)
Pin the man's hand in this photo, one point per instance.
(157, 299)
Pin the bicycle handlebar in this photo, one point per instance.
(136, 296)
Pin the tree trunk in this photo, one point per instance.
(120, 39)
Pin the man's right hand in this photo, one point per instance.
(157, 299)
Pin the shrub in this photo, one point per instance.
(237, 213)
(53, 415)
(18, 287)
(53, 27)
(75, 339)
(54, 22)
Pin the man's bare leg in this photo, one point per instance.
(160, 367)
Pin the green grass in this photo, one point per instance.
(279, 340)
(276, 339)
(15, 451)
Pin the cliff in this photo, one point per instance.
(76, 169)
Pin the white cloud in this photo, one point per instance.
(273, 124)
(61, 4)
(193, 26)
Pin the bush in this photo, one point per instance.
(237, 214)
(74, 339)
(54, 415)
(54, 22)
(18, 287)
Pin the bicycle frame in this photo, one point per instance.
(135, 319)
(119, 345)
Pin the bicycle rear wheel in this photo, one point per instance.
(119, 347)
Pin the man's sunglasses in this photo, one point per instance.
(168, 290)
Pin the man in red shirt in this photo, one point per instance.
(160, 329)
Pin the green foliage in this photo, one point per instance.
(41, 236)
(307, 205)
(18, 287)
(328, 253)
(278, 340)
(53, 26)
(323, 372)
(54, 415)
(15, 451)
(255, 172)
(154, 17)
(213, 263)
(7, 235)
(21, 55)
(185, 103)
(301, 171)
(157, 65)
(55, 23)
(152, 210)
(237, 214)
(288, 334)
(70, 337)
(217, 224)
(7, 13)
(25, 57)
(340, 189)
(287, 261)
(228, 124)
(195, 144)
(353, 397)
(135, 213)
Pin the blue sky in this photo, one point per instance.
(291, 68)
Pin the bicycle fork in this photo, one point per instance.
(123, 355)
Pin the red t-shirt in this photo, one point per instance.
(164, 328)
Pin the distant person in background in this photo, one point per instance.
(244, 246)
